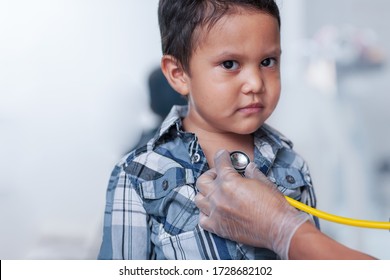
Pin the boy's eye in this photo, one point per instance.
(268, 62)
(230, 65)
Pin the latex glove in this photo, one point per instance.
(247, 210)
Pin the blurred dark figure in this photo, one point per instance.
(162, 98)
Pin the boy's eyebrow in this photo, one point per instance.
(276, 52)
(236, 54)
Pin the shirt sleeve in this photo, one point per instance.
(308, 195)
(126, 231)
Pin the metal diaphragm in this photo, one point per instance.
(239, 161)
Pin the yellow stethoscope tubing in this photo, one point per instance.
(337, 219)
(240, 160)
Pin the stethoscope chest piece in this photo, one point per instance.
(239, 161)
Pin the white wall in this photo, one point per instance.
(73, 99)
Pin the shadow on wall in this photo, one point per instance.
(162, 98)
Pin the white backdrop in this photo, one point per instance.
(73, 99)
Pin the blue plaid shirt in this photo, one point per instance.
(150, 211)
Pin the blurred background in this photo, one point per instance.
(74, 98)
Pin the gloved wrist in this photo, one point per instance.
(283, 232)
(281, 220)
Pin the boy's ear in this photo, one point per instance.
(175, 74)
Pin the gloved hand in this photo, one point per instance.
(247, 210)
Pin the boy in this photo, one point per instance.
(224, 56)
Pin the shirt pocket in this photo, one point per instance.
(169, 199)
(196, 244)
(290, 181)
(183, 246)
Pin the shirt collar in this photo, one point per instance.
(268, 142)
(267, 139)
(172, 123)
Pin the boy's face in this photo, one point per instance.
(234, 79)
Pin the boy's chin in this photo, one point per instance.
(246, 131)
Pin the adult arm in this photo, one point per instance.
(252, 211)
(309, 243)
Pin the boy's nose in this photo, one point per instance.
(253, 82)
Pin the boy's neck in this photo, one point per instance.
(211, 142)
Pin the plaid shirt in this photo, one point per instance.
(150, 211)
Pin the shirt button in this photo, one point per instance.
(290, 179)
(307, 178)
(195, 158)
(165, 185)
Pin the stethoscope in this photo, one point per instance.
(240, 161)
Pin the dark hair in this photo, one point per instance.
(179, 20)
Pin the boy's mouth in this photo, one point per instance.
(251, 108)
